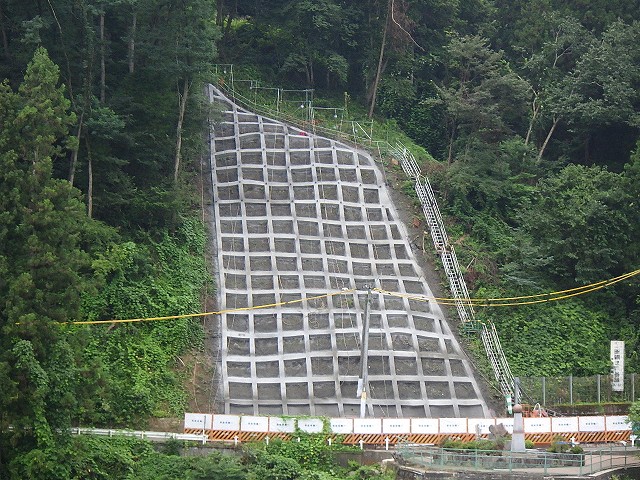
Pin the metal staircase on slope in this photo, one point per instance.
(458, 287)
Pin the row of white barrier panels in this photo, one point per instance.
(269, 424)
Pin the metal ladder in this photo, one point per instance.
(457, 285)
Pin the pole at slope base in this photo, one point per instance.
(364, 356)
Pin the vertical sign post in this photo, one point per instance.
(617, 365)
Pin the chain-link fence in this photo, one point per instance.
(572, 390)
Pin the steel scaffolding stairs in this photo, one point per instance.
(457, 285)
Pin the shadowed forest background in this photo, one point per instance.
(525, 115)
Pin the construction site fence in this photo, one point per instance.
(584, 463)
(572, 390)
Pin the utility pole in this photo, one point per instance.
(363, 382)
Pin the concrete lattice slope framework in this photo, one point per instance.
(298, 216)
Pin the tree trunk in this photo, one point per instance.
(535, 109)
(132, 43)
(376, 80)
(452, 137)
(90, 180)
(220, 13)
(74, 155)
(102, 63)
(183, 107)
(546, 140)
(3, 32)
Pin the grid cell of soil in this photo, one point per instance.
(361, 269)
(256, 209)
(279, 193)
(238, 346)
(409, 390)
(282, 226)
(225, 144)
(347, 341)
(433, 367)
(324, 157)
(269, 391)
(328, 192)
(279, 210)
(293, 345)
(428, 344)
(406, 366)
(304, 192)
(424, 324)
(259, 245)
(278, 159)
(262, 282)
(267, 370)
(259, 299)
(239, 369)
(464, 390)
(235, 282)
(257, 226)
(277, 175)
(229, 192)
(397, 321)
(295, 368)
(248, 128)
(438, 390)
(292, 321)
(237, 300)
(238, 322)
(251, 158)
(318, 320)
(227, 175)
(258, 264)
(324, 389)
(297, 390)
(322, 366)
(240, 390)
(250, 141)
(266, 346)
(348, 366)
(265, 323)
(274, 141)
(233, 262)
(298, 218)
(457, 368)
(402, 342)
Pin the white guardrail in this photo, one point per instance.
(152, 436)
(266, 424)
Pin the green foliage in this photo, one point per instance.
(634, 417)
(481, 444)
(559, 445)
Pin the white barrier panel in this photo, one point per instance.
(537, 425)
(424, 425)
(197, 420)
(279, 424)
(396, 425)
(564, 424)
(226, 422)
(507, 422)
(342, 425)
(453, 425)
(480, 425)
(367, 425)
(311, 425)
(591, 424)
(249, 423)
(617, 422)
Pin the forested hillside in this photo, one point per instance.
(529, 111)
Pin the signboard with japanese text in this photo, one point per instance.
(617, 365)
